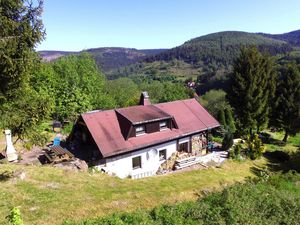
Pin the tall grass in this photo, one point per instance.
(276, 201)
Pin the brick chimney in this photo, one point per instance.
(144, 99)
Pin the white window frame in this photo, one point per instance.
(165, 154)
(141, 132)
(137, 167)
(165, 125)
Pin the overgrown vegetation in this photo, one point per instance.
(258, 201)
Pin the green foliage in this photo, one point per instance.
(255, 147)
(277, 197)
(230, 123)
(123, 91)
(227, 140)
(25, 114)
(165, 91)
(14, 217)
(286, 105)
(252, 88)
(22, 108)
(235, 152)
(75, 85)
(219, 50)
(174, 91)
(221, 117)
(21, 30)
(215, 102)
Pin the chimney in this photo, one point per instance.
(144, 99)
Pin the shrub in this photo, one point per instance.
(15, 217)
(255, 147)
(227, 141)
(235, 152)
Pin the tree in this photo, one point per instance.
(286, 111)
(227, 141)
(174, 91)
(21, 29)
(229, 120)
(74, 83)
(22, 108)
(123, 91)
(215, 102)
(252, 87)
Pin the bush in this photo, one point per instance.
(15, 217)
(227, 141)
(255, 147)
(235, 153)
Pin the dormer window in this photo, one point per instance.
(140, 130)
(163, 125)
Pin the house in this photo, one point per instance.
(134, 141)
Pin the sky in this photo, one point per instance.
(74, 25)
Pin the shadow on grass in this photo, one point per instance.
(268, 139)
(279, 161)
(6, 175)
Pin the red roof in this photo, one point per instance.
(104, 126)
(142, 113)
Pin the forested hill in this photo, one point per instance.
(293, 38)
(220, 49)
(107, 58)
(111, 58)
(202, 55)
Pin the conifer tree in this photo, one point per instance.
(252, 86)
(21, 29)
(22, 108)
(221, 117)
(230, 120)
(286, 111)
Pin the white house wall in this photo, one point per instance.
(121, 166)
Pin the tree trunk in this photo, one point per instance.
(285, 137)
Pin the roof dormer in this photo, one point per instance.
(139, 120)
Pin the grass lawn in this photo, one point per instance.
(292, 145)
(50, 195)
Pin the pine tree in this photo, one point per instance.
(252, 83)
(22, 108)
(286, 111)
(21, 29)
(229, 120)
(221, 117)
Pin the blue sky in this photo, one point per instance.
(75, 25)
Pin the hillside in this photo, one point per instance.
(45, 198)
(209, 53)
(293, 37)
(107, 58)
(49, 56)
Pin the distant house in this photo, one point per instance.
(134, 141)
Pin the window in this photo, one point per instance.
(163, 125)
(162, 154)
(137, 162)
(140, 130)
(184, 147)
